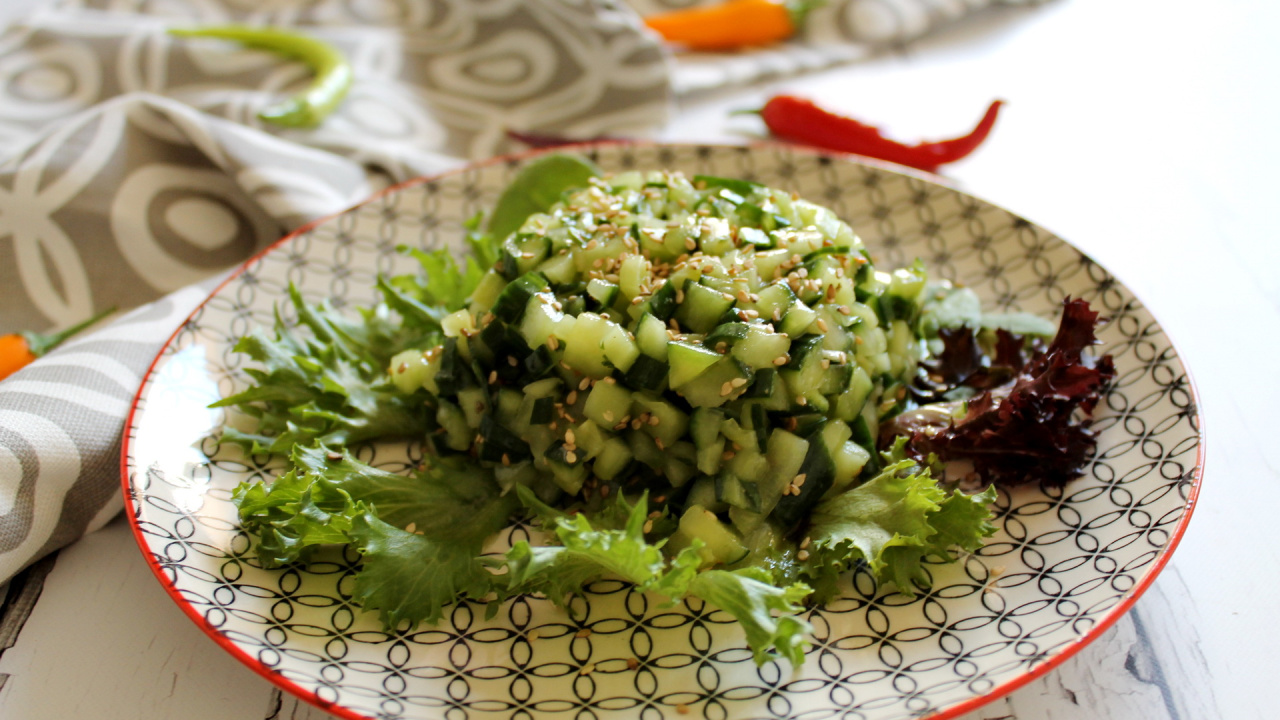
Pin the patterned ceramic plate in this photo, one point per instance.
(1064, 565)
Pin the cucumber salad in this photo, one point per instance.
(700, 385)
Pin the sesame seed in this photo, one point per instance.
(659, 443)
(648, 526)
(799, 481)
(738, 382)
(403, 367)
(689, 244)
(584, 632)
(493, 376)
(805, 543)
(632, 663)
(781, 360)
(682, 709)
(571, 457)
(608, 416)
(587, 670)
(802, 555)
(506, 460)
(512, 361)
(333, 456)
(822, 324)
(552, 342)
(727, 296)
(726, 389)
(586, 382)
(727, 455)
(637, 300)
(569, 436)
(572, 397)
(743, 296)
(654, 420)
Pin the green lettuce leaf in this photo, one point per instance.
(318, 501)
(589, 551)
(893, 523)
(537, 187)
(410, 577)
(330, 386)
(766, 613)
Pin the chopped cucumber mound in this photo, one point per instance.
(683, 379)
(646, 299)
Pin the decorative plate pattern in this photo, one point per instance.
(1063, 566)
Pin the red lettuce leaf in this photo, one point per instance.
(1035, 428)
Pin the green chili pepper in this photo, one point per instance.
(333, 74)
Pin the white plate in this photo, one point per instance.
(1064, 566)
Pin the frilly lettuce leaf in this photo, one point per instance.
(766, 612)
(412, 577)
(329, 386)
(893, 523)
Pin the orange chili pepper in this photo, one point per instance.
(17, 350)
(730, 24)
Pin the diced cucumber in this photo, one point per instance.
(803, 373)
(568, 467)
(453, 324)
(474, 403)
(582, 348)
(619, 347)
(603, 292)
(559, 270)
(666, 423)
(607, 403)
(818, 471)
(410, 370)
(704, 426)
(688, 361)
(761, 348)
(612, 459)
(458, 434)
(645, 451)
(651, 337)
(703, 494)
(749, 465)
(721, 545)
(849, 459)
(541, 320)
(514, 298)
(588, 436)
(499, 444)
(702, 307)
(632, 274)
(798, 319)
(786, 453)
(722, 382)
(486, 293)
(737, 492)
(647, 374)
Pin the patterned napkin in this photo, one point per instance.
(134, 172)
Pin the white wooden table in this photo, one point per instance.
(1144, 132)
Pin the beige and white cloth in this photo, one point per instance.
(134, 171)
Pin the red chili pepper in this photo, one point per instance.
(17, 350)
(801, 121)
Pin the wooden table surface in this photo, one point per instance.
(1143, 132)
